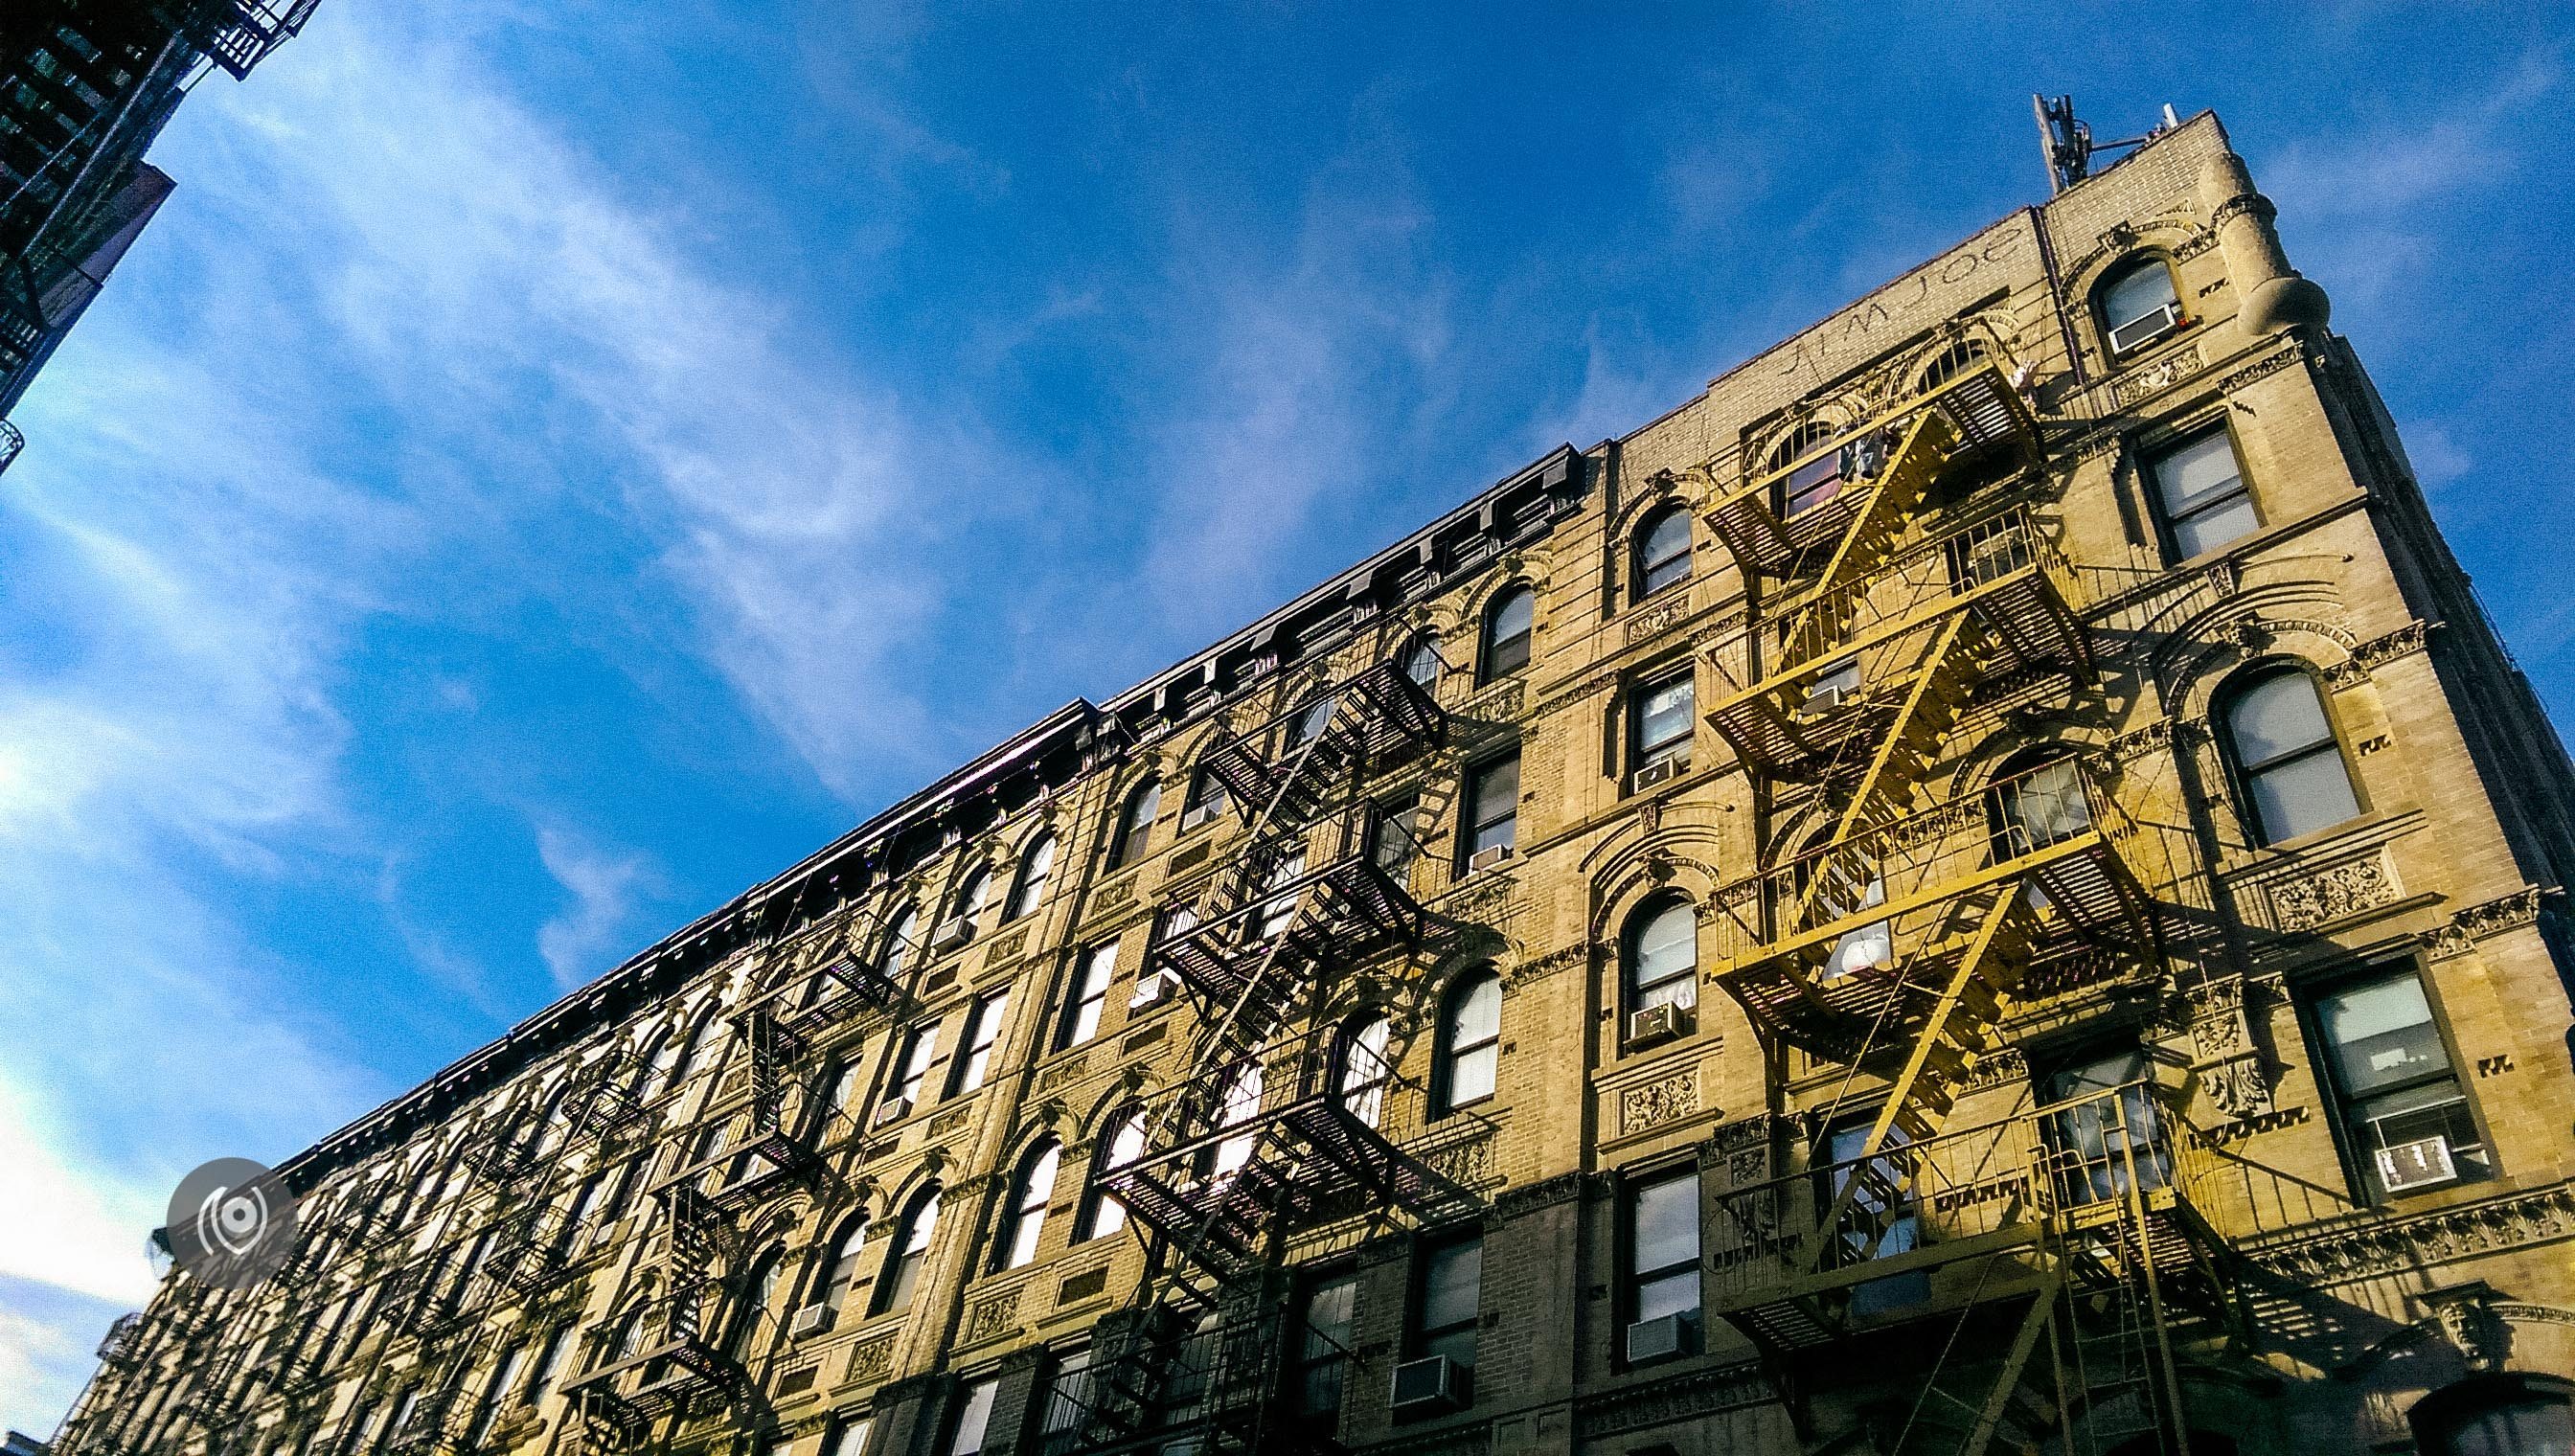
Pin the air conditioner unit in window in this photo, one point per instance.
(1827, 697)
(1661, 770)
(812, 1320)
(1487, 858)
(1658, 1339)
(1428, 1386)
(2423, 1163)
(954, 932)
(1657, 1023)
(1154, 990)
(2137, 333)
(891, 1112)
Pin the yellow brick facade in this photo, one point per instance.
(2276, 1297)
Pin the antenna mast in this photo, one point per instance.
(2067, 143)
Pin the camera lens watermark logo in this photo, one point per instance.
(232, 1223)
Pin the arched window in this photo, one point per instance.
(1470, 1034)
(1364, 1070)
(1136, 825)
(1663, 955)
(2037, 800)
(555, 1123)
(1120, 1143)
(1824, 475)
(898, 943)
(1663, 552)
(1951, 362)
(2288, 766)
(757, 1293)
(1016, 1242)
(966, 905)
(2139, 304)
(1420, 661)
(840, 1264)
(1507, 623)
(909, 1251)
(2501, 1413)
(1800, 441)
(1207, 799)
(697, 1051)
(1036, 861)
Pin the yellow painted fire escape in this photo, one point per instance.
(1891, 940)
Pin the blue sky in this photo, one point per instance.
(547, 470)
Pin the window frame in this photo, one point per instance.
(1632, 1277)
(1029, 877)
(914, 1057)
(1399, 817)
(1078, 998)
(1024, 1213)
(1423, 645)
(2120, 272)
(1303, 1362)
(1680, 749)
(1491, 646)
(837, 1273)
(969, 1065)
(1133, 837)
(1104, 1160)
(1420, 1337)
(1642, 565)
(2242, 776)
(1207, 802)
(1449, 1051)
(1470, 828)
(2150, 457)
(2360, 1163)
(899, 1274)
(1349, 1080)
(1632, 987)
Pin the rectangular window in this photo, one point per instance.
(1394, 835)
(974, 1413)
(1877, 1226)
(1661, 717)
(1832, 687)
(2397, 1096)
(1662, 1247)
(850, 1438)
(1446, 1309)
(1069, 1399)
(1492, 806)
(2202, 494)
(2102, 1133)
(1089, 994)
(920, 1046)
(505, 1376)
(983, 1028)
(1324, 1336)
(1207, 799)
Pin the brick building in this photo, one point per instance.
(1982, 885)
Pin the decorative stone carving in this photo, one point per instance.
(1114, 894)
(2412, 637)
(1007, 946)
(872, 1360)
(1656, 1104)
(1554, 960)
(2162, 375)
(1659, 620)
(2139, 743)
(2223, 1056)
(2334, 893)
(991, 1318)
(2339, 1252)
(1735, 1387)
(1069, 1070)
(1470, 1162)
(2469, 1317)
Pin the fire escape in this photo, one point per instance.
(1891, 945)
(671, 1356)
(1257, 1142)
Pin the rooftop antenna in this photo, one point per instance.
(2067, 143)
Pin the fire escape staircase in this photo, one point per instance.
(1226, 1178)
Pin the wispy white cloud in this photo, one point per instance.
(581, 941)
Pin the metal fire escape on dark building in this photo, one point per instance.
(1258, 1141)
(85, 85)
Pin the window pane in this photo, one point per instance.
(1675, 1293)
(1663, 712)
(1507, 634)
(1449, 1285)
(851, 1439)
(1327, 1318)
(2197, 473)
(2275, 718)
(2381, 1035)
(2139, 292)
(1393, 844)
(2536, 1427)
(1421, 661)
(2303, 796)
(1470, 1076)
(1667, 958)
(1479, 1017)
(973, 1417)
(1497, 798)
(2211, 528)
(1666, 1227)
(1665, 552)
